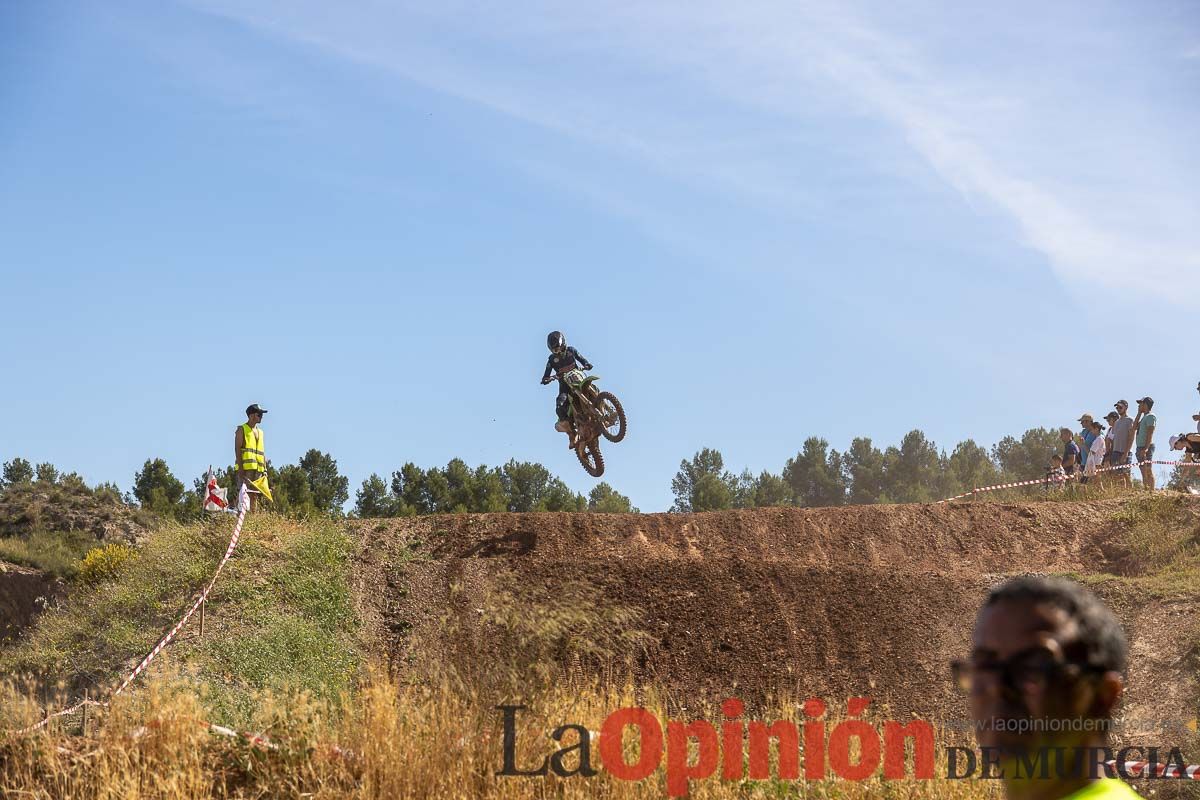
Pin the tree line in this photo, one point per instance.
(314, 485)
(457, 488)
(914, 471)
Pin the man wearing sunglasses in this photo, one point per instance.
(1044, 678)
(562, 360)
(249, 452)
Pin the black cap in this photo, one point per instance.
(254, 409)
(1149, 400)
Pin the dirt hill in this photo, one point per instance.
(23, 593)
(835, 602)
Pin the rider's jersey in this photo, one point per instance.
(569, 360)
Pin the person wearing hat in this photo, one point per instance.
(1144, 422)
(248, 451)
(1122, 440)
(1189, 443)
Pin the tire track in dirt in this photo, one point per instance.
(832, 602)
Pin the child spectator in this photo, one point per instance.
(1056, 476)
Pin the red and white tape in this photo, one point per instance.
(1139, 769)
(243, 507)
(1062, 480)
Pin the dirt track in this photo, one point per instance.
(864, 600)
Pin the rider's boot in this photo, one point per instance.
(565, 426)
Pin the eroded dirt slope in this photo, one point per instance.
(865, 600)
(23, 594)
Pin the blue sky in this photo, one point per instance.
(760, 221)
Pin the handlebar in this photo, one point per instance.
(554, 378)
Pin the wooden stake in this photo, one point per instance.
(202, 605)
(85, 711)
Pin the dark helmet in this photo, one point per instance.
(556, 341)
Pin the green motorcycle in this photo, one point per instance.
(594, 414)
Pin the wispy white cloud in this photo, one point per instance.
(1091, 180)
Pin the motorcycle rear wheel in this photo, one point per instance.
(590, 458)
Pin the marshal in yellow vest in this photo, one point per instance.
(253, 455)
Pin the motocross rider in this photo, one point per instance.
(562, 360)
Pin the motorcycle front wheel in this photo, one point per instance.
(612, 416)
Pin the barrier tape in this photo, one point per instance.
(1063, 480)
(166, 640)
(243, 507)
(1137, 769)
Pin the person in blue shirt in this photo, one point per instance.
(1070, 455)
(1144, 423)
(1088, 436)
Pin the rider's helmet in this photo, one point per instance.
(556, 342)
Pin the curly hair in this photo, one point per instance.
(1101, 638)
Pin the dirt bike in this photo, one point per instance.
(594, 414)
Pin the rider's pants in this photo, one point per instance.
(562, 405)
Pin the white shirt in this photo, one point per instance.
(1096, 454)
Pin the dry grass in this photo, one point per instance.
(393, 741)
(281, 618)
(281, 663)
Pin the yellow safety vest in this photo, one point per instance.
(253, 455)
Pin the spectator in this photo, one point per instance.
(1070, 456)
(1189, 443)
(1046, 650)
(1086, 434)
(1096, 451)
(1197, 416)
(1122, 443)
(1111, 418)
(1056, 476)
(1145, 422)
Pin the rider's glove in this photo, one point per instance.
(545, 381)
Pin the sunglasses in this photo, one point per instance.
(1027, 672)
